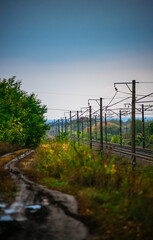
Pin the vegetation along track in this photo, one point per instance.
(39, 213)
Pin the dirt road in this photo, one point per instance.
(39, 213)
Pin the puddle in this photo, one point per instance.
(5, 219)
(33, 207)
(2, 205)
(9, 211)
(17, 213)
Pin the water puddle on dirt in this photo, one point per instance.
(10, 214)
(9, 211)
(2, 206)
(5, 219)
(33, 207)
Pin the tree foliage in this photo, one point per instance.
(21, 115)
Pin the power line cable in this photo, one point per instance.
(119, 102)
(67, 94)
(148, 95)
(112, 99)
(56, 109)
(146, 82)
(124, 92)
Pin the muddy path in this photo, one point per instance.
(39, 213)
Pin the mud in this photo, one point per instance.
(39, 213)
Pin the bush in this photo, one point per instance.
(115, 139)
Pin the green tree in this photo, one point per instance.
(21, 115)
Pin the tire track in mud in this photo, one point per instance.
(38, 212)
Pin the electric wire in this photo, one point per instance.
(125, 92)
(84, 112)
(56, 109)
(144, 96)
(125, 111)
(112, 99)
(146, 82)
(119, 102)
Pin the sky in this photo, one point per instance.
(69, 51)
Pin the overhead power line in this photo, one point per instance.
(112, 99)
(146, 82)
(66, 94)
(57, 109)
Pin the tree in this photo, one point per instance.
(21, 115)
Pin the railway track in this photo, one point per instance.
(142, 154)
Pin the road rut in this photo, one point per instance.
(39, 213)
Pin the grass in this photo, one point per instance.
(7, 186)
(114, 201)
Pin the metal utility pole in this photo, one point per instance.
(133, 147)
(105, 128)
(120, 113)
(58, 123)
(62, 125)
(90, 127)
(78, 130)
(143, 128)
(65, 125)
(87, 129)
(82, 127)
(133, 125)
(101, 126)
(55, 128)
(96, 128)
(70, 125)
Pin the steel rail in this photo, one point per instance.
(144, 154)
